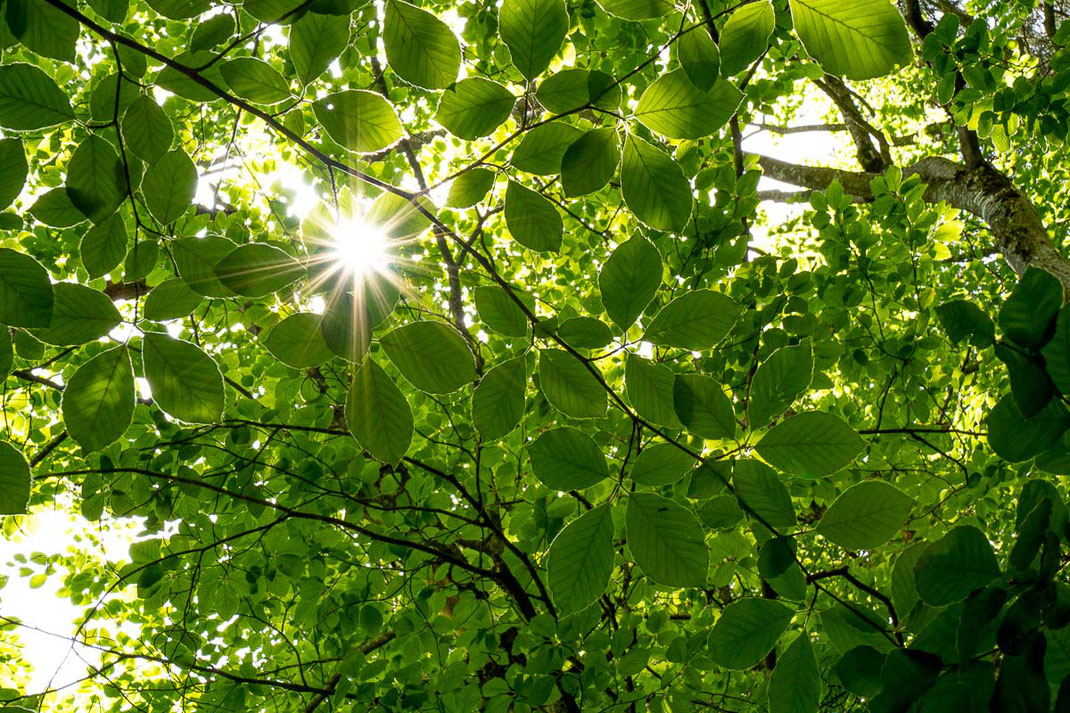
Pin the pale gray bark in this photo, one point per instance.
(982, 191)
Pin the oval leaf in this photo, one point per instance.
(569, 386)
(26, 298)
(696, 320)
(474, 107)
(359, 120)
(378, 415)
(666, 541)
(567, 459)
(420, 48)
(498, 401)
(865, 516)
(432, 356)
(810, 444)
(746, 631)
(98, 401)
(580, 560)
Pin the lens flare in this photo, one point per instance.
(359, 249)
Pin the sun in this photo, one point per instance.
(360, 249)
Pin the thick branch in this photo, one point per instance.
(862, 132)
(982, 191)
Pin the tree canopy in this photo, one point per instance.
(457, 357)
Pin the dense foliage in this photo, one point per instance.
(591, 432)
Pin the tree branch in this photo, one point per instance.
(982, 191)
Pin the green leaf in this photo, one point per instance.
(420, 48)
(55, 208)
(171, 299)
(746, 631)
(1015, 438)
(862, 39)
(572, 89)
(702, 406)
(79, 315)
(584, 332)
(7, 352)
(848, 628)
(906, 675)
(533, 31)
(650, 390)
(432, 356)
(778, 382)
(745, 36)
(98, 401)
(696, 320)
(29, 99)
(378, 415)
(96, 179)
(255, 80)
(954, 566)
(346, 326)
(866, 515)
(25, 291)
(185, 86)
(269, 11)
(15, 482)
(179, 9)
(567, 459)
(197, 258)
(297, 341)
(185, 381)
(860, 671)
(397, 218)
(962, 319)
(654, 187)
(141, 260)
(112, 96)
(580, 560)
(500, 312)
(43, 29)
(720, 513)
(758, 487)
(498, 400)
(359, 120)
(13, 170)
(709, 478)
(543, 148)
(146, 128)
(810, 444)
(666, 541)
(1029, 314)
(169, 186)
(1057, 352)
(470, 188)
(570, 386)
(257, 269)
(795, 686)
(210, 33)
(315, 42)
(699, 57)
(111, 10)
(674, 107)
(629, 280)
(474, 107)
(777, 555)
(661, 464)
(637, 9)
(590, 162)
(532, 219)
